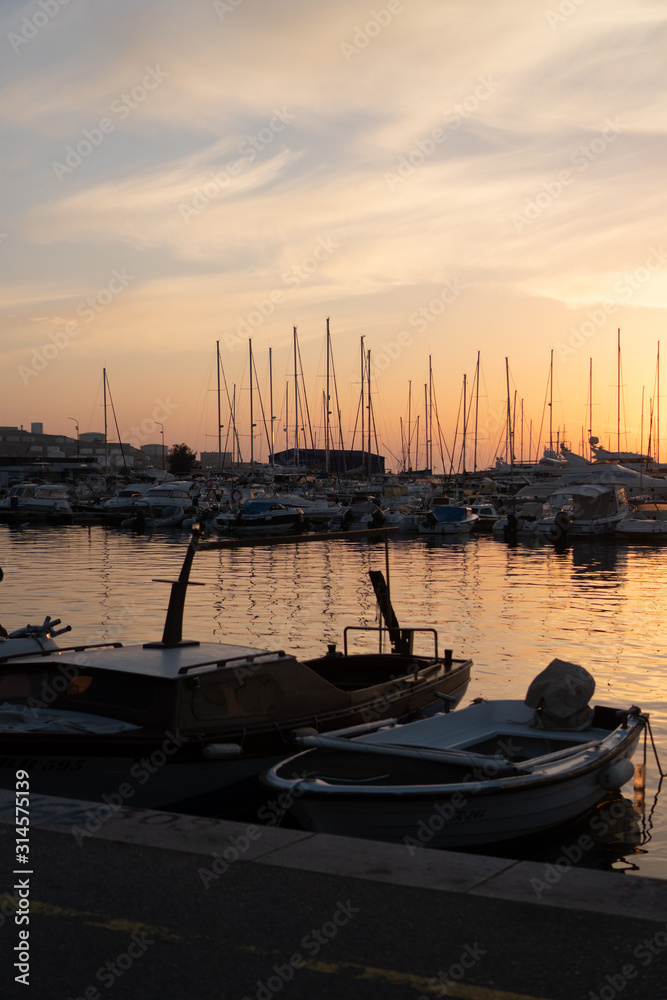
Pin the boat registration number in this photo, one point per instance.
(43, 763)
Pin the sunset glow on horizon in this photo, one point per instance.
(439, 177)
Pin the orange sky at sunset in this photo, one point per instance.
(441, 177)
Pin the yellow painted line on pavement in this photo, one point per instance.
(95, 919)
(424, 984)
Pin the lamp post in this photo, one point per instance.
(161, 426)
(76, 424)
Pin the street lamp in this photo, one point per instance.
(76, 424)
(161, 426)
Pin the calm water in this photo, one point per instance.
(510, 609)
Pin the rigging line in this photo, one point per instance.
(440, 435)
(261, 406)
(340, 422)
(305, 396)
(231, 412)
(115, 420)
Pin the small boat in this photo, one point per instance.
(262, 516)
(520, 523)
(448, 519)
(32, 638)
(487, 513)
(48, 502)
(189, 726)
(164, 506)
(488, 773)
(584, 510)
(647, 522)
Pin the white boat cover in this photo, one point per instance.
(24, 719)
(560, 696)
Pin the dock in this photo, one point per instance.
(139, 904)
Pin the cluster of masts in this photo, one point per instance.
(299, 435)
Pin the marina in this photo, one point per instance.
(508, 608)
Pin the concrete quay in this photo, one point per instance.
(139, 904)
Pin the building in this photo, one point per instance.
(341, 463)
(35, 454)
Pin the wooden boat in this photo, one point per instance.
(174, 722)
(483, 774)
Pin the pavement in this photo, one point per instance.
(138, 904)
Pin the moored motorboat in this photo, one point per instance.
(449, 519)
(647, 522)
(179, 723)
(590, 509)
(491, 772)
(260, 516)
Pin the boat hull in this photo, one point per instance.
(424, 795)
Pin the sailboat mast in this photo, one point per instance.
(106, 436)
(657, 425)
(370, 412)
(590, 407)
(508, 430)
(465, 423)
(286, 416)
(618, 394)
(551, 402)
(217, 368)
(426, 465)
(476, 412)
(235, 440)
(296, 407)
(273, 456)
(252, 434)
(430, 415)
(362, 405)
(409, 435)
(327, 405)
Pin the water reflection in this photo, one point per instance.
(510, 609)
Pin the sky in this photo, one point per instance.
(450, 180)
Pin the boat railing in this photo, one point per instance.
(236, 662)
(59, 649)
(404, 646)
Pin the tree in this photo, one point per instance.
(181, 459)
